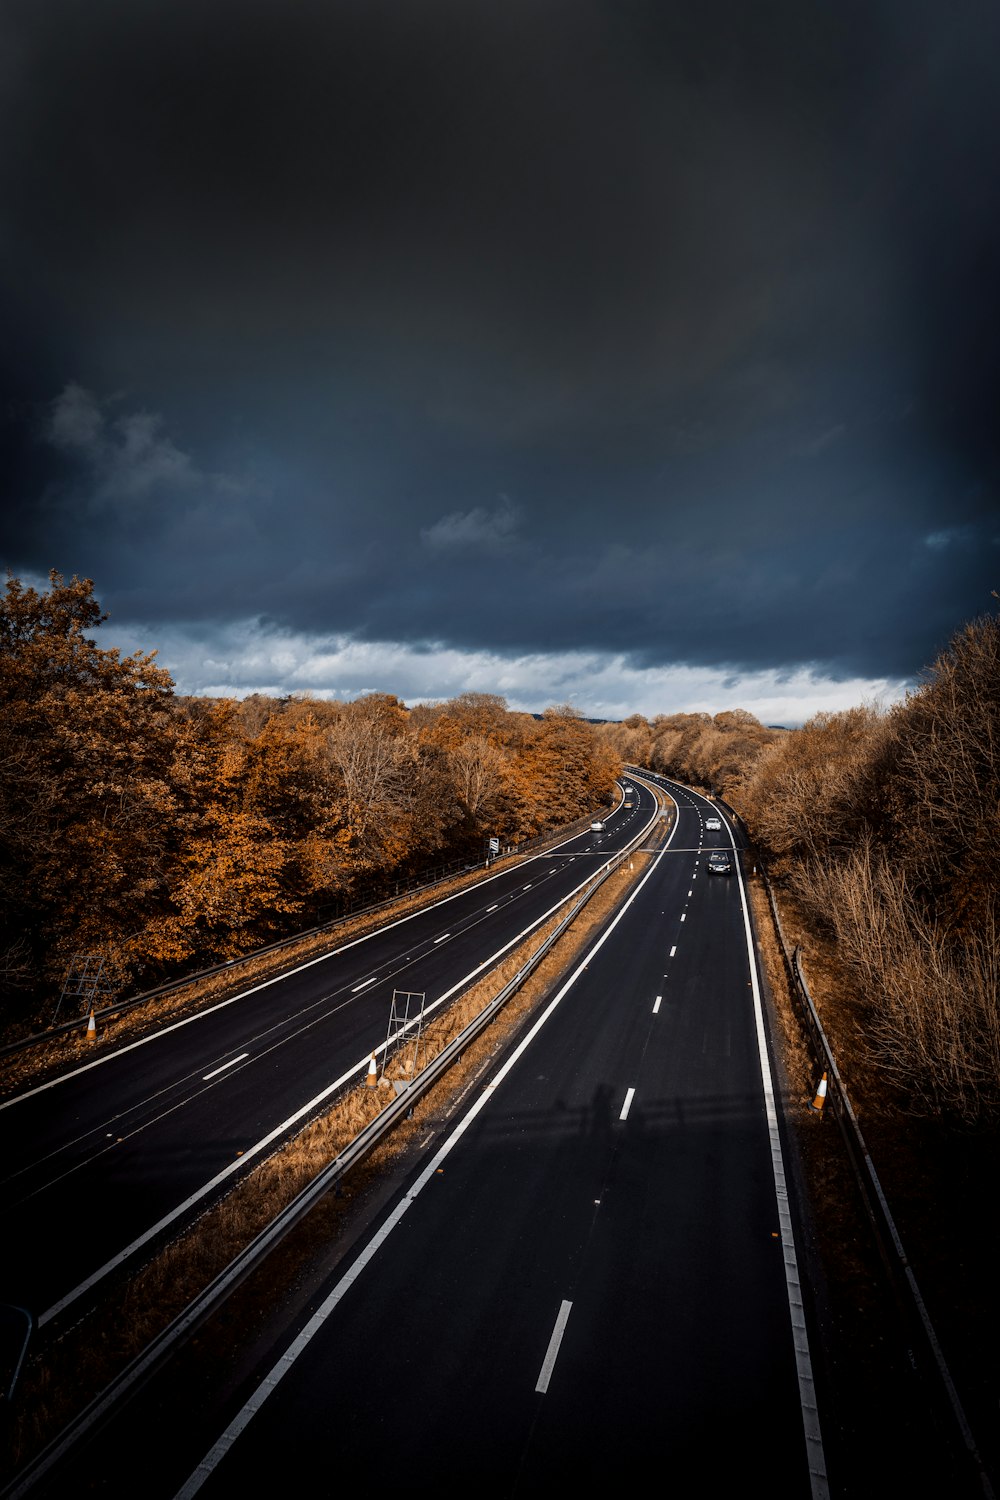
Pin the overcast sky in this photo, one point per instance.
(639, 354)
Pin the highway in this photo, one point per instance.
(593, 1278)
(116, 1152)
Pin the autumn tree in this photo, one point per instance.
(86, 748)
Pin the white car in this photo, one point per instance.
(714, 823)
(597, 826)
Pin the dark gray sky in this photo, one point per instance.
(644, 354)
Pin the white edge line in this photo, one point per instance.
(815, 1456)
(279, 1370)
(251, 1151)
(548, 1363)
(230, 1064)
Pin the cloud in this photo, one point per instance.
(664, 274)
(251, 657)
(76, 421)
(478, 529)
(126, 459)
(950, 536)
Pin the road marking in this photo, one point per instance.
(230, 1064)
(689, 893)
(548, 1363)
(364, 986)
(656, 1005)
(442, 937)
(493, 907)
(627, 1105)
(673, 950)
(528, 886)
(285, 1363)
(683, 916)
(819, 1488)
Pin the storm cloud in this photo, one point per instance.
(653, 338)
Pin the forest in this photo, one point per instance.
(883, 825)
(167, 833)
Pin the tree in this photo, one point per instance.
(86, 747)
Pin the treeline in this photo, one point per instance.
(700, 749)
(885, 826)
(166, 833)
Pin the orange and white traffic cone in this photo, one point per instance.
(820, 1097)
(91, 1027)
(372, 1079)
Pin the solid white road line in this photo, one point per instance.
(800, 1337)
(548, 1363)
(630, 1095)
(230, 1064)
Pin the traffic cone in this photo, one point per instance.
(820, 1098)
(372, 1079)
(91, 1027)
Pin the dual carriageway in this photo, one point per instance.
(594, 1271)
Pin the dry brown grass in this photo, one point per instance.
(70, 1369)
(934, 1180)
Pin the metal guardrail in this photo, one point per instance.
(887, 1238)
(202, 1306)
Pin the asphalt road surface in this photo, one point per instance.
(98, 1163)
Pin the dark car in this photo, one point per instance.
(719, 863)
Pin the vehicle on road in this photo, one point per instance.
(719, 863)
(713, 823)
(597, 826)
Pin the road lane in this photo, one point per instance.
(130, 1144)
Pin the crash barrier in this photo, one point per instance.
(925, 1349)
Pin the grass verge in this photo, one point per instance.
(882, 1430)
